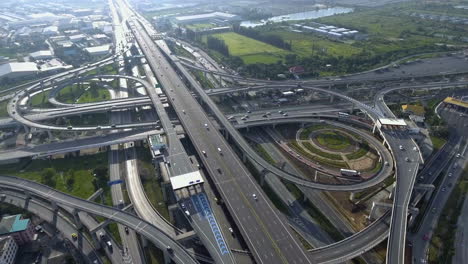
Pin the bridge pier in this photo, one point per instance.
(351, 196)
(332, 98)
(316, 176)
(95, 195)
(414, 213)
(303, 125)
(374, 208)
(54, 205)
(429, 188)
(263, 174)
(244, 158)
(77, 219)
(95, 240)
(50, 136)
(392, 192)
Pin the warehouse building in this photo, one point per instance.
(17, 69)
(209, 17)
(8, 250)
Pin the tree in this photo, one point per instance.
(48, 177)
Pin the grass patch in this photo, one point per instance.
(3, 109)
(333, 140)
(437, 142)
(153, 254)
(265, 155)
(306, 131)
(114, 231)
(150, 183)
(251, 50)
(361, 152)
(73, 175)
(307, 44)
(40, 100)
(333, 163)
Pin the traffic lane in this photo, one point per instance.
(278, 235)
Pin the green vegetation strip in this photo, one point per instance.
(437, 142)
(306, 131)
(324, 154)
(333, 163)
(265, 154)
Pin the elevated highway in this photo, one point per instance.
(152, 233)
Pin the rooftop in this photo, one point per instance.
(41, 53)
(451, 100)
(392, 122)
(17, 67)
(13, 223)
(206, 16)
(186, 180)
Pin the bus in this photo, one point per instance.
(346, 172)
(341, 114)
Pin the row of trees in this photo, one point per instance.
(218, 45)
(274, 40)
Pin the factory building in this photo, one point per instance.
(17, 69)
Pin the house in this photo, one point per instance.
(20, 229)
(296, 70)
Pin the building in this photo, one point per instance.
(215, 16)
(50, 31)
(8, 250)
(15, 70)
(77, 38)
(20, 229)
(459, 104)
(41, 55)
(98, 50)
(413, 110)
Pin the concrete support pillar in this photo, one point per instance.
(380, 158)
(77, 219)
(414, 213)
(372, 212)
(27, 195)
(95, 239)
(226, 135)
(26, 129)
(392, 192)
(244, 158)
(332, 98)
(351, 196)
(167, 257)
(316, 176)
(50, 136)
(248, 129)
(54, 205)
(352, 108)
(302, 125)
(274, 125)
(144, 242)
(263, 174)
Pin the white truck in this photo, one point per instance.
(346, 172)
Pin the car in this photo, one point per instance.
(231, 231)
(267, 113)
(443, 189)
(386, 163)
(219, 150)
(206, 126)
(126, 230)
(280, 112)
(69, 127)
(426, 237)
(219, 170)
(169, 250)
(243, 118)
(204, 153)
(183, 111)
(407, 159)
(248, 111)
(254, 196)
(401, 147)
(101, 235)
(450, 174)
(187, 213)
(285, 114)
(230, 117)
(458, 155)
(433, 210)
(109, 244)
(38, 228)
(264, 116)
(415, 149)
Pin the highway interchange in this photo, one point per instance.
(262, 227)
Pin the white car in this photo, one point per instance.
(254, 196)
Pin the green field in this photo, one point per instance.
(72, 175)
(84, 94)
(305, 44)
(251, 50)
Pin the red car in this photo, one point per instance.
(426, 237)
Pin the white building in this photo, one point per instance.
(41, 55)
(98, 50)
(8, 250)
(50, 31)
(17, 69)
(77, 38)
(205, 17)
